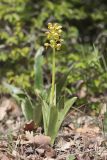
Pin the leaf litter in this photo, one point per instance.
(80, 138)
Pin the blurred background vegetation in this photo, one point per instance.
(22, 27)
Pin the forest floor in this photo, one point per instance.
(81, 136)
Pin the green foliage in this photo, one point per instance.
(38, 70)
(53, 116)
(22, 33)
(53, 113)
(32, 110)
(71, 157)
(56, 118)
(105, 122)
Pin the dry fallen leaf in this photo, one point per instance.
(71, 126)
(8, 106)
(2, 113)
(86, 120)
(3, 157)
(65, 146)
(87, 129)
(38, 139)
(30, 126)
(50, 153)
(42, 140)
(40, 151)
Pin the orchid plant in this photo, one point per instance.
(50, 105)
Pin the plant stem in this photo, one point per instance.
(53, 78)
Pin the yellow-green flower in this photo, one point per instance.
(54, 36)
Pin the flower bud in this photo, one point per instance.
(61, 40)
(59, 31)
(52, 42)
(58, 46)
(49, 36)
(58, 27)
(46, 33)
(56, 36)
(52, 45)
(46, 45)
(49, 25)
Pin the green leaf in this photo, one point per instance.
(35, 109)
(71, 157)
(62, 113)
(60, 103)
(61, 83)
(56, 118)
(27, 109)
(68, 104)
(38, 70)
(37, 113)
(20, 96)
(105, 122)
(15, 92)
(52, 132)
(46, 114)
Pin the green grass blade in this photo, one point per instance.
(38, 70)
(52, 132)
(45, 113)
(105, 122)
(27, 109)
(62, 113)
(60, 103)
(37, 113)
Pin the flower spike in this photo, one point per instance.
(53, 36)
